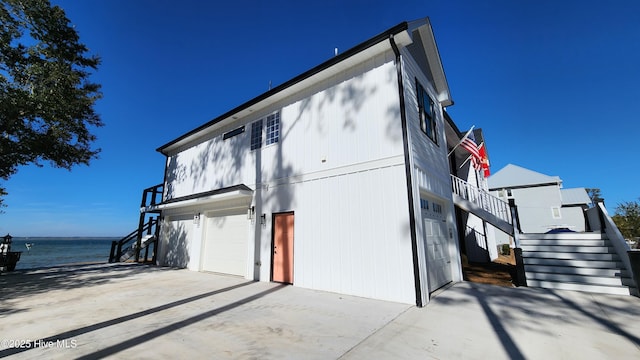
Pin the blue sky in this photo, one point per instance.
(553, 84)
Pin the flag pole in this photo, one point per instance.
(461, 140)
(465, 161)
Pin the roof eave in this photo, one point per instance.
(195, 133)
(433, 56)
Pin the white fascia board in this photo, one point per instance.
(437, 70)
(206, 200)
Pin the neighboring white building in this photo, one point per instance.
(336, 180)
(542, 203)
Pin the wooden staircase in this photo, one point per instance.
(575, 261)
(145, 237)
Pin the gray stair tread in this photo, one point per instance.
(615, 290)
(576, 256)
(565, 236)
(588, 271)
(565, 242)
(577, 279)
(607, 264)
(569, 249)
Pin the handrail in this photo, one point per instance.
(120, 247)
(150, 195)
(608, 226)
(482, 198)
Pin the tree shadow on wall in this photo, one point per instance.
(176, 252)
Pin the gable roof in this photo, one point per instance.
(513, 176)
(575, 196)
(402, 34)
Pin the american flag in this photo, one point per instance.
(469, 144)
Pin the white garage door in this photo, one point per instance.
(225, 244)
(437, 244)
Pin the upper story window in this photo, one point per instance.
(273, 128)
(424, 204)
(272, 132)
(426, 112)
(256, 135)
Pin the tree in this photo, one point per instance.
(627, 219)
(46, 98)
(594, 195)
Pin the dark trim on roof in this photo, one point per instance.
(208, 193)
(407, 170)
(453, 125)
(325, 65)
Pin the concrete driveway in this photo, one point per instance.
(140, 312)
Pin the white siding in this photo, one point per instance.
(175, 241)
(354, 121)
(339, 166)
(351, 233)
(534, 208)
(574, 218)
(429, 165)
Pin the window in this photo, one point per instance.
(272, 134)
(256, 135)
(555, 212)
(273, 129)
(424, 204)
(437, 208)
(233, 133)
(425, 110)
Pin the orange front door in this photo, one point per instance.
(282, 256)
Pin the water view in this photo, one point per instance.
(50, 251)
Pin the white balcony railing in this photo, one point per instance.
(492, 204)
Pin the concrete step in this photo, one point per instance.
(585, 271)
(607, 264)
(564, 236)
(569, 249)
(566, 242)
(572, 256)
(578, 279)
(601, 289)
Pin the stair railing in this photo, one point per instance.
(492, 204)
(126, 246)
(119, 248)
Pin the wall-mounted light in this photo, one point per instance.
(250, 212)
(196, 219)
(263, 219)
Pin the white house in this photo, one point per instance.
(543, 204)
(336, 180)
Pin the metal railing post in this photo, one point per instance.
(521, 277)
(112, 254)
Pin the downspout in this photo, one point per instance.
(407, 168)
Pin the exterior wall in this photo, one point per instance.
(338, 165)
(352, 118)
(574, 218)
(534, 208)
(351, 233)
(429, 166)
(176, 237)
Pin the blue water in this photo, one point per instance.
(52, 251)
